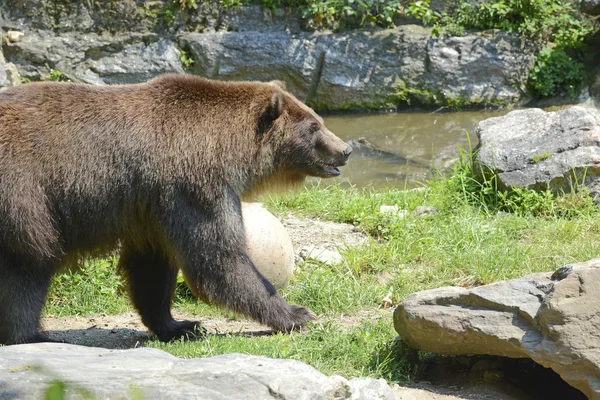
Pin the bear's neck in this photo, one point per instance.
(278, 181)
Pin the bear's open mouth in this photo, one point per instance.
(329, 170)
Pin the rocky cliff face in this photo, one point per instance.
(131, 41)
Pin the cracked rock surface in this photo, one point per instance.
(553, 319)
(9, 76)
(27, 370)
(104, 42)
(591, 7)
(536, 149)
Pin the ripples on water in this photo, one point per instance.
(428, 140)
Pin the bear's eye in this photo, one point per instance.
(314, 127)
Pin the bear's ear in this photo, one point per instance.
(270, 114)
(279, 84)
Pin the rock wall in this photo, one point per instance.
(8, 73)
(129, 41)
(591, 7)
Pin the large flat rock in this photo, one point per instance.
(553, 319)
(26, 371)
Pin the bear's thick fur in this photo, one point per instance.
(160, 169)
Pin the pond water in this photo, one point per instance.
(401, 149)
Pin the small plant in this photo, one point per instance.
(225, 4)
(536, 158)
(222, 4)
(383, 12)
(329, 14)
(421, 11)
(273, 4)
(188, 4)
(479, 186)
(169, 16)
(57, 76)
(186, 61)
(448, 25)
(56, 390)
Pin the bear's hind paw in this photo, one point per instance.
(187, 330)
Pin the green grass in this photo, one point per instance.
(93, 288)
(479, 235)
(464, 244)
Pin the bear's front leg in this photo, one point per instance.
(210, 242)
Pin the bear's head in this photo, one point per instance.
(303, 145)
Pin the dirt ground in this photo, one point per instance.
(446, 380)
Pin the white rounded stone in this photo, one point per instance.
(15, 36)
(268, 243)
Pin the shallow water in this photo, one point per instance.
(410, 145)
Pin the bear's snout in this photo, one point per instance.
(347, 152)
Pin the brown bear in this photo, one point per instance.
(156, 170)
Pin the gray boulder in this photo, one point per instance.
(553, 319)
(542, 150)
(142, 16)
(442, 6)
(9, 76)
(93, 58)
(260, 19)
(591, 7)
(26, 371)
(371, 69)
(365, 68)
(66, 16)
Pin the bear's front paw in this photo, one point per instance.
(298, 317)
(188, 330)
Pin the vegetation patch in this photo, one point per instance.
(555, 72)
(93, 287)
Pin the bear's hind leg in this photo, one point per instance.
(23, 290)
(151, 283)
